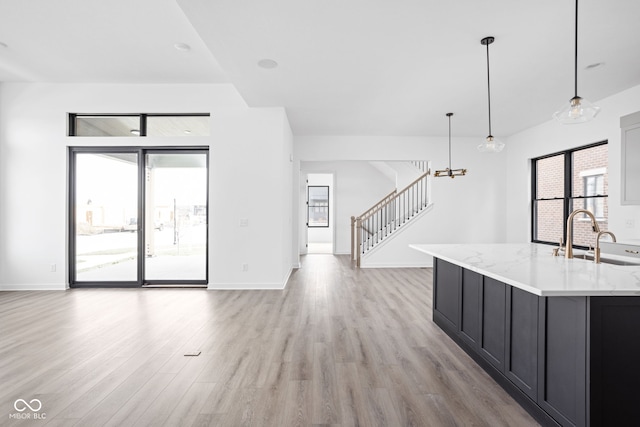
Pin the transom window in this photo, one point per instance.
(566, 181)
(139, 125)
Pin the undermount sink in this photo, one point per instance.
(612, 261)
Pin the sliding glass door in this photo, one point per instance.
(106, 204)
(138, 216)
(176, 216)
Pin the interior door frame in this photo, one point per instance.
(332, 207)
(141, 182)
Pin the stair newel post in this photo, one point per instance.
(353, 232)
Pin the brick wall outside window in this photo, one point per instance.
(550, 183)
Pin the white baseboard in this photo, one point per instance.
(245, 286)
(251, 286)
(286, 279)
(33, 287)
(399, 265)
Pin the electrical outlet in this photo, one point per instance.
(52, 268)
(244, 222)
(630, 223)
(245, 267)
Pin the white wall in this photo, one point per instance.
(322, 234)
(467, 209)
(551, 137)
(252, 180)
(357, 186)
(406, 173)
(290, 256)
(250, 169)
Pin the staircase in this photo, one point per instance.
(386, 217)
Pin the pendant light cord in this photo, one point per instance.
(575, 68)
(450, 114)
(489, 89)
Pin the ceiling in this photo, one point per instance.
(356, 67)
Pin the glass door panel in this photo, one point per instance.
(106, 216)
(175, 217)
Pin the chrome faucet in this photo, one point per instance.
(568, 252)
(596, 254)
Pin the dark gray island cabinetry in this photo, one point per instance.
(570, 360)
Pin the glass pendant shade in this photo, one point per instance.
(577, 110)
(491, 145)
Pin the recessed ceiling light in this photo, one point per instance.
(3, 44)
(182, 47)
(267, 64)
(594, 65)
(135, 132)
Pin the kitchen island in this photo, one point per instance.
(562, 336)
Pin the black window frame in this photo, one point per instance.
(567, 197)
(141, 152)
(142, 117)
(309, 206)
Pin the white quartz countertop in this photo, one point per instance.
(531, 267)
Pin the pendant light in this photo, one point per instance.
(490, 144)
(578, 110)
(448, 171)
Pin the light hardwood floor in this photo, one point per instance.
(339, 346)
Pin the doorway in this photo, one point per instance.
(138, 217)
(320, 218)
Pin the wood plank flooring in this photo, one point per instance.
(338, 347)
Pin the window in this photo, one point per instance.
(318, 210)
(566, 181)
(137, 125)
(594, 186)
(138, 216)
